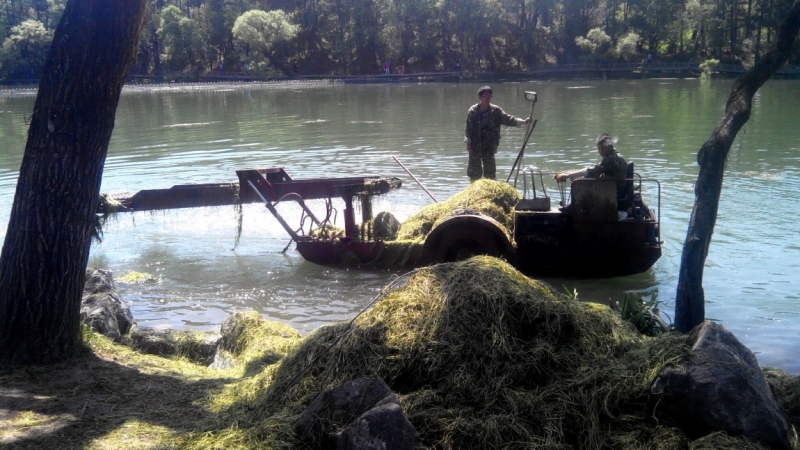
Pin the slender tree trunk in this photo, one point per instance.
(690, 299)
(156, 53)
(12, 20)
(53, 217)
(758, 36)
(734, 36)
(625, 15)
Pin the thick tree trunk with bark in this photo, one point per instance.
(690, 299)
(53, 219)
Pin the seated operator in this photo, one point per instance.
(612, 166)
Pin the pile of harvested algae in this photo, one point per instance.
(495, 199)
(481, 357)
(403, 242)
(488, 197)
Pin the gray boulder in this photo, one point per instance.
(356, 408)
(721, 388)
(102, 308)
(232, 328)
(383, 427)
(199, 347)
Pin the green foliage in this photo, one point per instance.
(573, 294)
(183, 41)
(356, 36)
(708, 66)
(643, 313)
(627, 47)
(24, 51)
(261, 32)
(263, 29)
(596, 41)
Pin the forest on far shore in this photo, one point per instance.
(281, 37)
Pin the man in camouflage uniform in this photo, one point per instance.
(612, 166)
(482, 134)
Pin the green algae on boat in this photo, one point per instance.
(489, 197)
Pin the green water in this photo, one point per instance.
(200, 134)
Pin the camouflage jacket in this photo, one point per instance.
(472, 132)
(612, 166)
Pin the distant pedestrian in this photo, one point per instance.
(386, 67)
(650, 59)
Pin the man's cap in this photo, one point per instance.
(606, 140)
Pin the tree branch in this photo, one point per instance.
(690, 298)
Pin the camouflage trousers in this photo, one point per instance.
(481, 165)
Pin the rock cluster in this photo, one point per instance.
(104, 311)
(198, 347)
(102, 308)
(359, 414)
(721, 388)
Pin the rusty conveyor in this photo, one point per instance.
(270, 186)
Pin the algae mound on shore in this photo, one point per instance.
(481, 356)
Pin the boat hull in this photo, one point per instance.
(553, 244)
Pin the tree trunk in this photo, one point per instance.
(53, 217)
(156, 53)
(690, 300)
(758, 37)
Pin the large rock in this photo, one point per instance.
(199, 347)
(102, 308)
(361, 410)
(383, 427)
(233, 327)
(721, 388)
(247, 328)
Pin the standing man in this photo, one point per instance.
(482, 134)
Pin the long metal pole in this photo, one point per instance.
(522, 150)
(519, 155)
(415, 179)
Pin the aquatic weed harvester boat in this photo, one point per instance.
(594, 234)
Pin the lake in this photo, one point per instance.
(201, 134)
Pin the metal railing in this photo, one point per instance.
(643, 66)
